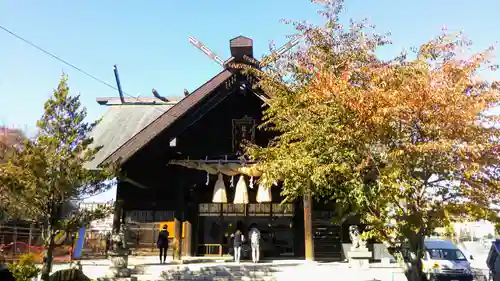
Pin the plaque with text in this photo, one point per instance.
(243, 131)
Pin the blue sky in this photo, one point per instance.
(148, 40)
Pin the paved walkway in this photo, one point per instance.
(147, 269)
(203, 269)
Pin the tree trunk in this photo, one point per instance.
(49, 248)
(415, 271)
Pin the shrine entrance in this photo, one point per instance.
(184, 157)
(217, 222)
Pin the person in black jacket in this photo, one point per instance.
(162, 243)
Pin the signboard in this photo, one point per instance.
(60, 237)
(243, 130)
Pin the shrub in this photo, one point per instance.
(26, 269)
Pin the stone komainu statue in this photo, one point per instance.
(355, 237)
(119, 240)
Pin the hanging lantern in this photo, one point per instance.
(264, 193)
(219, 195)
(241, 193)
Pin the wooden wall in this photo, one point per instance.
(209, 137)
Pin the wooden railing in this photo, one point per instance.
(210, 250)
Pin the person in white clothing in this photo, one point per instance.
(254, 235)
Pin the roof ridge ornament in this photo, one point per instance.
(206, 50)
(242, 53)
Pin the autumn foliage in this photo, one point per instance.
(10, 138)
(408, 144)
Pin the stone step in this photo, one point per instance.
(223, 273)
(148, 269)
(205, 278)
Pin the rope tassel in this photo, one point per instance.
(219, 195)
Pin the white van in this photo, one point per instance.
(444, 261)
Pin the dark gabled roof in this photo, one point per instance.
(120, 123)
(164, 120)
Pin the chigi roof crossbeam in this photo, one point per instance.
(241, 52)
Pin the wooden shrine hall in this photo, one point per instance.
(180, 163)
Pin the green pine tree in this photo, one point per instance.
(48, 172)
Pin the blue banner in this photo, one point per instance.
(80, 241)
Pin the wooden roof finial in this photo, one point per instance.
(241, 46)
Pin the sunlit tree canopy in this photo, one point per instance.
(407, 143)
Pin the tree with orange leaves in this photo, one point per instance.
(10, 140)
(408, 144)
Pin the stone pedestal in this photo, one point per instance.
(118, 271)
(359, 258)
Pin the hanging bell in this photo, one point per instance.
(219, 195)
(241, 193)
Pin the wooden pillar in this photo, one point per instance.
(308, 235)
(177, 238)
(117, 216)
(179, 213)
(188, 238)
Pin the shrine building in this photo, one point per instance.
(180, 160)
